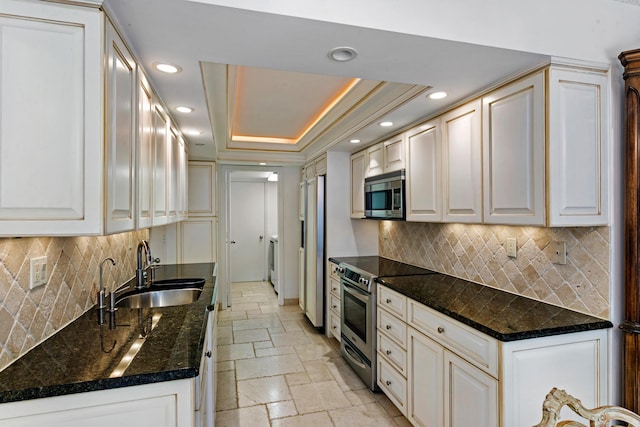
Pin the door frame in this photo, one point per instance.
(224, 229)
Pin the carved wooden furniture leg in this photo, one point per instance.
(598, 417)
(631, 325)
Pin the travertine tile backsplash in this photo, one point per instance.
(28, 317)
(476, 253)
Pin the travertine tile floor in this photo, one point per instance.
(275, 369)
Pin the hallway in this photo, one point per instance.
(274, 369)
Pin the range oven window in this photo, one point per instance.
(355, 315)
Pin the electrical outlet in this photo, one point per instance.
(558, 252)
(510, 247)
(38, 276)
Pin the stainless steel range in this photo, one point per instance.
(358, 322)
(358, 298)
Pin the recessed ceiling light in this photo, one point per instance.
(354, 141)
(262, 163)
(193, 132)
(438, 95)
(167, 68)
(386, 124)
(342, 54)
(184, 109)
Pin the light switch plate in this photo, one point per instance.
(38, 270)
(511, 247)
(558, 252)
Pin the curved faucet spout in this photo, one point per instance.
(141, 273)
(101, 291)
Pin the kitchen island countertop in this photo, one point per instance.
(88, 356)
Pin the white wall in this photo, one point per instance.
(345, 236)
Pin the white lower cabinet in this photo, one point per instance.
(446, 374)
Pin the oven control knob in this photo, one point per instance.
(340, 270)
(364, 282)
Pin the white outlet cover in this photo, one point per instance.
(510, 246)
(38, 272)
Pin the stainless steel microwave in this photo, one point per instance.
(384, 196)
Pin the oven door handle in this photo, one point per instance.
(355, 357)
(355, 292)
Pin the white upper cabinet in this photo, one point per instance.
(423, 180)
(374, 160)
(394, 153)
(120, 134)
(358, 168)
(160, 166)
(462, 164)
(51, 124)
(202, 189)
(514, 150)
(145, 154)
(578, 155)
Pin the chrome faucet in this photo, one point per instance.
(101, 291)
(141, 272)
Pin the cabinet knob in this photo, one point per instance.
(388, 352)
(208, 354)
(388, 327)
(388, 300)
(387, 382)
(334, 289)
(335, 327)
(440, 329)
(334, 306)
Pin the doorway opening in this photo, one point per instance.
(252, 219)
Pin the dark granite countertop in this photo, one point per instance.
(86, 356)
(380, 266)
(500, 314)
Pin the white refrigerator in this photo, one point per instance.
(314, 251)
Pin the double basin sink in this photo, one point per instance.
(162, 293)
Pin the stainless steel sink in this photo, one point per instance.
(178, 283)
(159, 297)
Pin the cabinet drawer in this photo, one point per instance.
(393, 353)
(334, 287)
(392, 301)
(392, 327)
(334, 324)
(474, 346)
(393, 384)
(333, 272)
(334, 304)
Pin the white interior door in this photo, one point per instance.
(247, 223)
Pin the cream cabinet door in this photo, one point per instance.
(160, 165)
(144, 209)
(425, 375)
(578, 148)
(470, 395)
(358, 169)
(514, 153)
(202, 189)
(198, 240)
(51, 120)
(462, 164)
(173, 173)
(120, 173)
(424, 183)
(394, 154)
(374, 160)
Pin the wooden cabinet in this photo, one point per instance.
(120, 134)
(393, 153)
(424, 174)
(440, 372)
(462, 164)
(578, 156)
(335, 304)
(51, 123)
(358, 171)
(87, 139)
(514, 153)
(145, 153)
(374, 160)
(202, 189)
